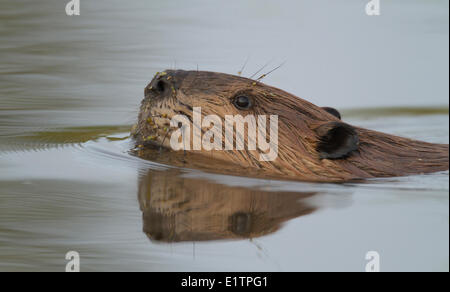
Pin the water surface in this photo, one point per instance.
(70, 88)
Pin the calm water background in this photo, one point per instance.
(70, 89)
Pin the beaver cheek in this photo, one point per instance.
(336, 140)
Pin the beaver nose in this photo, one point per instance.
(166, 83)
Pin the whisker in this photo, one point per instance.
(164, 139)
(256, 73)
(264, 75)
(163, 116)
(184, 152)
(243, 67)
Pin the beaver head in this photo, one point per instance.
(313, 143)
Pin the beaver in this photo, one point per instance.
(314, 144)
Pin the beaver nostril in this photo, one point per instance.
(161, 86)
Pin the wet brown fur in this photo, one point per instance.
(378, 154)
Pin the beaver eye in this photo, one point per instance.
(242, 102)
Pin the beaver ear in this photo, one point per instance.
(336, 140)
(333, 111)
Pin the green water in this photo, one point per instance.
(70, 89)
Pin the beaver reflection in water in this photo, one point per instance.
(313, 143)
(177, 209)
